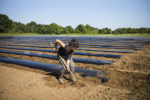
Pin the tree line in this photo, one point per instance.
(9, 26)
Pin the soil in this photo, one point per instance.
(129, 79)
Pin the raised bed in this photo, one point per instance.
(133, 48)
(75, 53)
(81, 60)
(54, 68)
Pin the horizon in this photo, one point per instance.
(97, 13)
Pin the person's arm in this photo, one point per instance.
(60, 43)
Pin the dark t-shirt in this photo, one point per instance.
(63, 51)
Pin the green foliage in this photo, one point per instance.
(5, 23)
(80, 29)
(91, 29)
(31, 27)
(9, 26)
(143, 30)
(85, 29)
(105, 31)
(42, 29)
(17, 28)
(131, 30)
(69, 29)
(54, 28)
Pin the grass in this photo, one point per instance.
(18, 34)
(134, 34)
(71, 34)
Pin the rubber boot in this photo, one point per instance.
(61, 79)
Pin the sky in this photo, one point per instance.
(97, 13)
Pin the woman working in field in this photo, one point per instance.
(64, 55)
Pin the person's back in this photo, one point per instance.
(63, 51)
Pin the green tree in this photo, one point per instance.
(32, 27)
(131, 30)
(42, 29)
(55, 29)
(105, 31)
(17, 27)
(144, 30)
(80, 29)
(69, 29)
(5, 23)
(91, 29)
(65, 31)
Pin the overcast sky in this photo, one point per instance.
(98, 13)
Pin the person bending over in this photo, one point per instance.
(64, 55)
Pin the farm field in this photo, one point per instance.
(107, 68)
